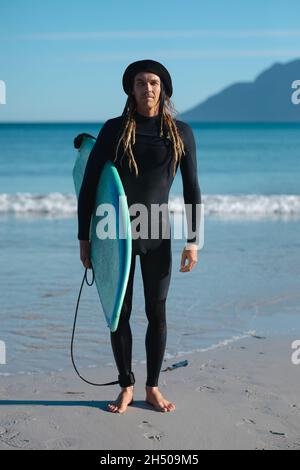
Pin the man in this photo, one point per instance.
(147, 146)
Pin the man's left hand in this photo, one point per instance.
(192, 256)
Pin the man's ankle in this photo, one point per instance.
(128, 389)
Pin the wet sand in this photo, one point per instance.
(241, 396)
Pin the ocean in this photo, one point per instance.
(246, 281)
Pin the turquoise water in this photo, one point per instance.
(246, 279)
(232, 158)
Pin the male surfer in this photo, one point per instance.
(147, 145)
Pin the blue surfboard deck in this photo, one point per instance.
(110, 257)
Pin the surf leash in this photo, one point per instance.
(73, 332)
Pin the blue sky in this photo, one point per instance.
(64, 60)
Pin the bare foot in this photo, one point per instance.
(124, 399)
(155, 398)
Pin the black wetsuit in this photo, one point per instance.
(154, 159)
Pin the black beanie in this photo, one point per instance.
(147, 66)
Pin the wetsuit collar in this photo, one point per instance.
(142, 118)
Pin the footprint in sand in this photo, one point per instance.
(245, 421)
(15, 439)
(206, 388)
(11, 437)
(8, 421)
(63, 443)
(151, 433)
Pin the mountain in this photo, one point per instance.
(266, 99)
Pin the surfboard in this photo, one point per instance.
(110, 256)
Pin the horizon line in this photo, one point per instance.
(193, 121)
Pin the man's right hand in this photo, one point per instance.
(85, 250)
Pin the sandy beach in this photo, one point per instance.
(215, 97)
(241, 396)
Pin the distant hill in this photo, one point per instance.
(267, 98)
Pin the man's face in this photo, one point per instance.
(146, 90)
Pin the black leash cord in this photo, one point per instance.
(73, 332)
